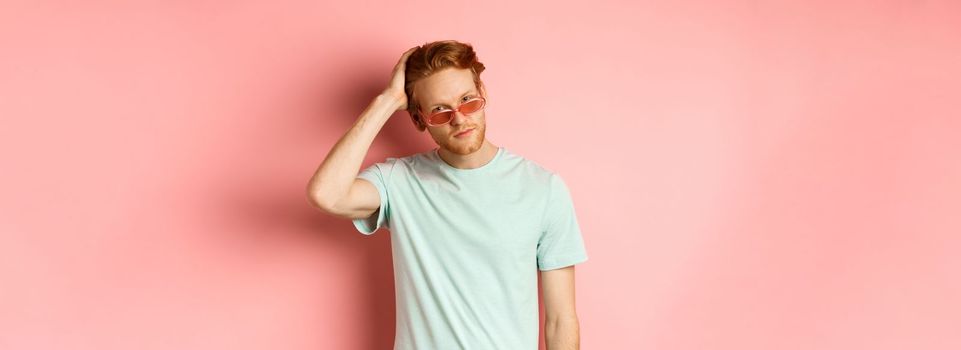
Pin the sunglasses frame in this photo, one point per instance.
(483, 104)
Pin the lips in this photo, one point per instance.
(462, 132)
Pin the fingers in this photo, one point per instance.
(403, 58)
(410, 51)
(396, 83)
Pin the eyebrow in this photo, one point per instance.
(461, 96)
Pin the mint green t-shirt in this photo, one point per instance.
(467, 244)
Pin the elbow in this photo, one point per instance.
(317, 200)
(317, 203)
(562, 333)
(569, 320)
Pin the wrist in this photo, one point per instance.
(393, 99)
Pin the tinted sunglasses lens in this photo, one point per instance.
(472, 106)
(441, 118)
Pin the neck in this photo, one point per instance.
(477, 159)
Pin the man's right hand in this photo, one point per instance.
(395, 89)
(335, 186)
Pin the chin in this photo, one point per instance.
(464, 147)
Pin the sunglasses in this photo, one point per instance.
(444, 116)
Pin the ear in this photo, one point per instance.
(418, 124)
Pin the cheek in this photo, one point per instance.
(439, 132)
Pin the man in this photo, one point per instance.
(471, 222)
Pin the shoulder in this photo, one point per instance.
(393, 164)
(535, 171)
(415, 160)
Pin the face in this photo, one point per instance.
(447, 89)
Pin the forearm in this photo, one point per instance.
(340, 167)
(562, 334)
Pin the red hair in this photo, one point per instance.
(432, 57)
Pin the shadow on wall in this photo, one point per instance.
(357, 82)
(325, 103)
(398, 138)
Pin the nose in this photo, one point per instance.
(458, 118)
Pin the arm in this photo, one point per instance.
(334, 187)
(562, 331)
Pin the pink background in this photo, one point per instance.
(747, 175)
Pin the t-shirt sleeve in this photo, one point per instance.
(377, 174)
(560, 244)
